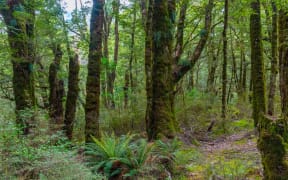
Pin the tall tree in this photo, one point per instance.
(19, 17)
(93, 78)
(112, 74)
(166, 70)
(270, 142)
(162, 120)
(283, 60)
(224, 65)
(274, 59)
(56, 93)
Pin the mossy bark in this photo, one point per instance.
(162, 121)
(257, 63)
(271, 131)
(93, 78)
(56, 89)
(274, 59)
(283, 60)
(224, 65)
(72, 95)
(21, 41)
(272, 148)
(148, 62)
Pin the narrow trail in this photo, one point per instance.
(229, 143)
(228, 157)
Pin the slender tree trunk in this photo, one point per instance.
(126, 88)
(21, 42)
(93, 78)
(274, 61)
(212, 67)
(105, 70)
(112, 73)
(224, 67)
(73, 81)
(257, 64)
(56, 91)
(132, 53)
(72, 96)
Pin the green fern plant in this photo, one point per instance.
(118, 156)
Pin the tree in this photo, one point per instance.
(93, 77)
(224, 66)
(19, 17)
(56, 93)
(274, 59)
(270, 142)
(112, 69)
(166, 69)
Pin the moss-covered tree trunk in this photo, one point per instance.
(56, 91)
(270, 142)
(224, 65)
(166, 73)
(274, 60)
(148, 60)
(72, 95)
(257, 63)
(283, 60)
(93, 78)
(162, 121)
(21, 41)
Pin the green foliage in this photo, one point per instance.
(116, 156)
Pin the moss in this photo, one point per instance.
(273, 153)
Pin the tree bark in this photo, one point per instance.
(224, 66)
(283, 60)
(93, 78)
(274, 60)
(72, 96)
(21, 42)
(270, 142)
(165, 73)
(257, 63)
(56, 89)
(112, 73)
(148, 62)
(163, 119)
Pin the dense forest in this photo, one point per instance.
(144, 89)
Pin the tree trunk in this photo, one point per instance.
(163, 121)
(283, 60)
(56, 94)
(72, 96)
(257, 63)
(93, 78)
(112, 74)
(105, 71)
(270, 142)
(126, 88)
(224, 67)
(274, 61)
(148, 63)
(21, 42)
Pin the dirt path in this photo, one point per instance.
(231, 143)
(229, 157)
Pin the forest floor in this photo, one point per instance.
(232, 156)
